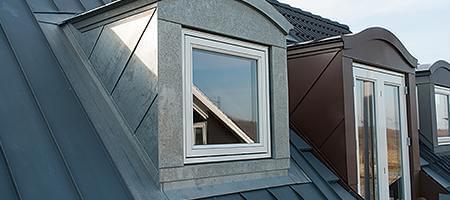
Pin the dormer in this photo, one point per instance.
(201, 86)
(433, 88)
(353, 98)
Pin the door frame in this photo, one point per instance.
(380, 78)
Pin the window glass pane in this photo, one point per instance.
(365, 109)
(442, 115)
(225, 97)
(393, 134)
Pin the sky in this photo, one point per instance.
(422, 25)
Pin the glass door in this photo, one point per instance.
(381, 134)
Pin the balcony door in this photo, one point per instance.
(381, 134)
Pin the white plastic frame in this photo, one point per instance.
(443, 91)
(226, 152)
(380, 78)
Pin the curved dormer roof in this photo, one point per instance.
(379, 34)
(431, 68)
(436, 73)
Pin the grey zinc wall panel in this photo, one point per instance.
(136, 88)
(88, 39)
(147, 132)
(115, 46)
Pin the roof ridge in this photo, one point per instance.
(309, 14)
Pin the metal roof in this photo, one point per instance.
(49, 148)
(321, 183)
(308, 26)
(431, 68)
(435, 165)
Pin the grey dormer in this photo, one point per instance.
(433, 86)
(142, 56)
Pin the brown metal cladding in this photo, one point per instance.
(321, 103)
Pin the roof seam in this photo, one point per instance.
(13, 180)
(28, 84)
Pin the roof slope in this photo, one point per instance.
(48, 146)
(308, 26)
(436, 166)
(321, 183)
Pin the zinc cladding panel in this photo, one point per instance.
(58, 133)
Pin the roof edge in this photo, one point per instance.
(262, 6)
(439, 64)
(378, 33)
(309, 14)
(271, 13)
(107, 7)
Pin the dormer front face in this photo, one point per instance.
(433, 87)
(201, 86)
(351, 96)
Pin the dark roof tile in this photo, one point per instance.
(308, 26)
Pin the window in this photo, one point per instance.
(381, 134)
(442, 113)
(226, 99)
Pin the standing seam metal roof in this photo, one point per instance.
(436, 166)
(49, 148)
(323, 183)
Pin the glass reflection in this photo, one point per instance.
(393, 134)
(442, 115)
(225, 98)
(365, 109)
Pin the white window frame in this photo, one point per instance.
(443, 91)
(225, 152)
(203, 126)
(380, 78)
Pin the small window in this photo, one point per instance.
(226, 99)
(442, 113)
